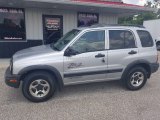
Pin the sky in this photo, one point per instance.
(137, 2)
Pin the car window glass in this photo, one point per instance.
(90, 42)
(145, 38)
(62, 42)
(129, 40)
(121, 39)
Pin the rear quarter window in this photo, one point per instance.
(145, 38)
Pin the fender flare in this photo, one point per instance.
(44, 67)
(131, 65)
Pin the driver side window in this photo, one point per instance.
(90, 42)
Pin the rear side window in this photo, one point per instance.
(145, 38)
(121, 39)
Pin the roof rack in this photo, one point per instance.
(105, 25)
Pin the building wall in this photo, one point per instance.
(108, 19)
(34, 26)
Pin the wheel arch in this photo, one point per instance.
(45, 68)
(142, 63)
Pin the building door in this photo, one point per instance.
(52, 28)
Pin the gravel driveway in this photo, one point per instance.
(96, 101)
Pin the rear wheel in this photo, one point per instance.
(158, 45)
(136, 78)
(38, 86)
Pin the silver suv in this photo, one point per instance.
(84, 55)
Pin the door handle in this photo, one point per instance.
(132, 52)
(99, 55)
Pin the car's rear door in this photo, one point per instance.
(122, 51)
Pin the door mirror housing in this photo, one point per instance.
(70, 52)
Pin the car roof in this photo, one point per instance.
(102, 26)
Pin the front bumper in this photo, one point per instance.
(154, 67)
(11, 80)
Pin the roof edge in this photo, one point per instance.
(97, 3)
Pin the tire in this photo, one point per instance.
(39, 86)
(158, 45)
(136, 78)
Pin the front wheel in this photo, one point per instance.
(136, 78)
(38, 86)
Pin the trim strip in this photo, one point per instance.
(92, 73)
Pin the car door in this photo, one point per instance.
(122, 51)
(90, 64)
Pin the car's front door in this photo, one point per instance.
(90, 64)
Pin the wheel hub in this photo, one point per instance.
(39, 88)
(137, 79)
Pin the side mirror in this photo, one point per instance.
(70, 52)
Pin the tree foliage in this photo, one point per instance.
(138, 19)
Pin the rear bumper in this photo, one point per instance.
(154, 67)
(11, 80)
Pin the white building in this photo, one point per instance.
(26, 23)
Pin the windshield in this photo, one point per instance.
(61, 43)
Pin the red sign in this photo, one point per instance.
(52, 23)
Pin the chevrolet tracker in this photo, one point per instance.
(84, 55)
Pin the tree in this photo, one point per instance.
(138, 19)
(157, 3)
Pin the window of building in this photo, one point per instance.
(90, 42)
(12, 24)
(121, 39)
(87, 19)
(145, 37)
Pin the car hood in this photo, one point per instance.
(33, 52)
